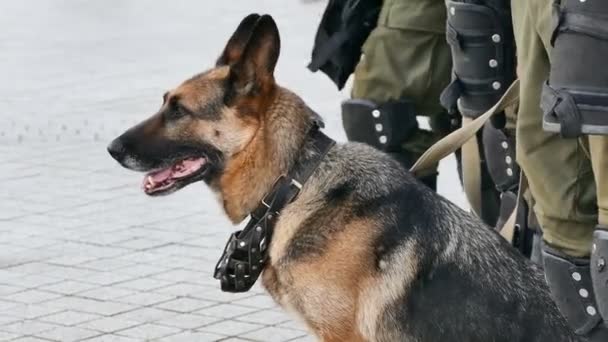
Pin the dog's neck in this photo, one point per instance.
(272, 152)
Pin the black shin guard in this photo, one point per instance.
(385, 126)
(569, 280)
(599, 269)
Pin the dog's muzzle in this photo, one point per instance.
(245, 256)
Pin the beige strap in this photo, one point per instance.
(453, 141)
(508, 229)
(471, 171)
(456, 139)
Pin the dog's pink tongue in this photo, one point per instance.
(187, 167)
(160, 176)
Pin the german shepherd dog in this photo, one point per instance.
(365, 252)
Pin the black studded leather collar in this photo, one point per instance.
(246, 252)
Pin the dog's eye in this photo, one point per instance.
(173, 113)
(175, 110)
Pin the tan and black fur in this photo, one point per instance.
(365, 252)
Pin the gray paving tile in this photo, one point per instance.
(106, 278)
(28, 327)
(191, 336)
(69, 318)
(67, 334)
(106, 293)
(148, 331)
(8, 290)
(71, 260)
(141, 243)
(188, 321)
(185, 305)
(214, 293)
(31, 311)
(4, 319)
(144, 270)
(5, 336)
(145, 298)
(144, 284)
(107, 264)
(260, 301)
(106, 308)
(305, 339)
(29, 339)
(274, 334)
(112, 338)
(7, 276)
(33, 280)
(177, 275)
(32, 296)
(109, 324)
(231, 328)
(146, 314)
(227, 311)
(184, 290)
(263, 317)
(67, 287)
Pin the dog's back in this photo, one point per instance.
(425, 270)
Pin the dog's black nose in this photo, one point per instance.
(116, 149)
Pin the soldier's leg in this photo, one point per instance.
(481, 38)
(558, 170)
(599, 159)
(560, 178)
(599, 257)
(405, 64)
(575, 102)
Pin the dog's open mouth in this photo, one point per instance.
(175, 176)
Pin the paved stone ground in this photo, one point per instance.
(84, 255)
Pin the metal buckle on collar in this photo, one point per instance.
(293, 182)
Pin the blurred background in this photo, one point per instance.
(84, 254)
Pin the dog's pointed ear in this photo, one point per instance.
(255, 68)
(236, 44)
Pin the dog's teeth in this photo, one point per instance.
(150, 182)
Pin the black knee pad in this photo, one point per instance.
(385, 126)
(575, 98)
(480, 35)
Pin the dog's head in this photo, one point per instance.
(209, 118)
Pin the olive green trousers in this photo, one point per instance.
(407, 57)
(568, 177)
